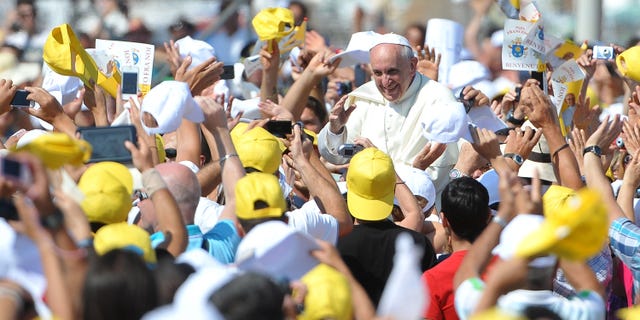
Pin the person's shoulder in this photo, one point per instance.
(367, 92)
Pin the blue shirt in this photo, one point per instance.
(624, 238)
(221, 242)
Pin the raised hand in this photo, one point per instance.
(338, 116)
(585, 116)
(429, 153)
(631, 136)
(321, 66)
(7, 91)
(200, 77)
(214, 113)
(428, 62)
(538, 107)
(475, 95)
(314, 41)
(577, 144)
(274, 111)
(522, 141)
(49, 109)
(587, 63)
(606, 133)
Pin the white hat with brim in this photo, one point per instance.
(357, 51)
(275, 249)
(168, 103)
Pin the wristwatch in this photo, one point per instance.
(518, 159)
(595, 149)
(512, 119)
(455, 174)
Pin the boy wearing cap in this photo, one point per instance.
(369, 249)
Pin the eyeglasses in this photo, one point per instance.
(140, 195)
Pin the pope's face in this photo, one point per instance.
(392, 70)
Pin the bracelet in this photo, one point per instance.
(555, 153)
(401, 182)
(226, 157)
(500, 221)
(13, 295)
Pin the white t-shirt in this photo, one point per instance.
(586, 305)
(207, 214)
(310, 220)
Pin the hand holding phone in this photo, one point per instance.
(16, 171)
(279, 128)
(20, 100)
(228, 72)
(473, 130)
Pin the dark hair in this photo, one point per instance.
(465, 204)
(318, 109)
(303, 9)
(250, 296)
(31, 3)
(169, 277)
(248, 224)
(540, 312)
(118, 285)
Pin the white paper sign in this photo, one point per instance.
(535, 38)
(515, 54)
(559, 93)
(529, 13)
(569, 71)
(132, 54)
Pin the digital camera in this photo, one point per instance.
(348, 150)
(603, 53)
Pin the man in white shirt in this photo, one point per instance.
(389, 110)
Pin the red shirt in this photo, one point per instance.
(439, 281)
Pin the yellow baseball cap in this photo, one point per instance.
(58, 149)
(65, 55)
(259, 186)
(258, 149)
(107, 187)
(371, 185)
(576, 230)
(124, 236)
(629, 313)
(273, 23)
(328, 296)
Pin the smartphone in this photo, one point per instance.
(108, 142)
(348, 150)
(7, 210)
(20, 99)
(228, 72)
(518, 90)
(129, 86)
(15, 170)
(540, 77)
(468, 104)
(473, 130)
(279, 128)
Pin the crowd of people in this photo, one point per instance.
(313, 182)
